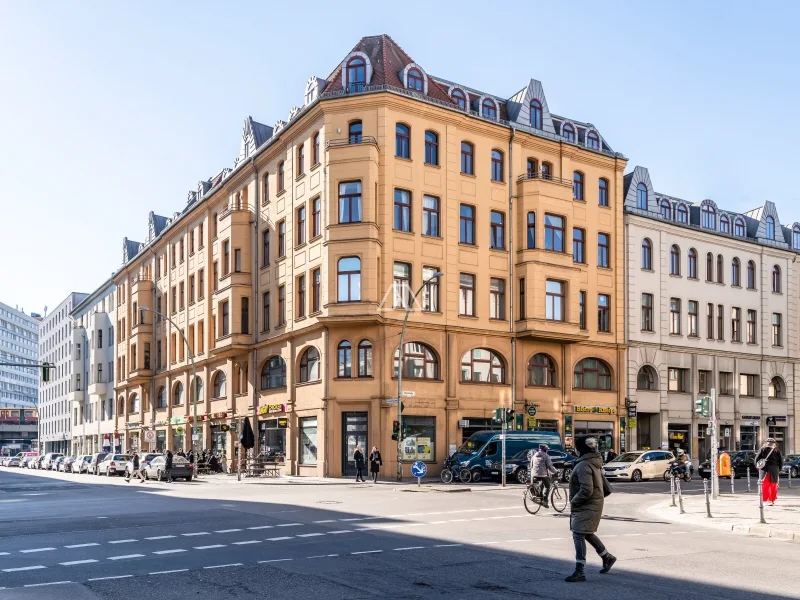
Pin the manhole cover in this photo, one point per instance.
(328, 502)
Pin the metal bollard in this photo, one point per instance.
(680, 496)
(760, 502)
(733, 491)
(748, 478)
(708, 501)
(790, 477)
(672, 490)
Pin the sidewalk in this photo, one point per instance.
(738, 513)
(409, 484)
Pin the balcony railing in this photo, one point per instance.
(232, 208)
(353, 140)
(537, 175)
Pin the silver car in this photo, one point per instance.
(81, 464)
(113, 464)
(48, 462)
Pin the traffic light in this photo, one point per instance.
(701, 406)
(45, 372)
(395, 430)
(498, 415)
(509, 415)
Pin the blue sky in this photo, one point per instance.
(110, 110)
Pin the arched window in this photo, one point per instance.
(738, 227)
(592, 374)
(354, 132)
(666, 209)
(724, 224)
(344, 359)
(365, 358)
(547, 170)
(532, 168)
(692, 264)
(647, 254)
(467, 158)
(415, 80)
(682, 214)
(770, 228)
(675, 260)
(497, 165)
(568, 131)
(489, 109)
(281, 177)
(220, 387)
(708, 217)
(273, 374)
(641, 196)
(720, 269)
(593, 140)
(709, 267)
(349, 279)
(541, 371)
(776, 388)
(776, 279)
(134, 404)
(531, 230)
(796, 237)
(482, 366)
(736, 268)
(646, 380)
(602, 192)
(309, 365)
(751, 275)
(419, 362)
(536, 114)
(121, 405)
(577, 185)
(459, 98)
(356, 74)
(301, 159)
(177, 394)
(198, 389)
(431, 148)
(402, 141)
(161, 398)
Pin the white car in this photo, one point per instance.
(49, 459)
(113, 464)
(636, 466)
(81, 464)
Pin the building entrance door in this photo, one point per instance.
(354, 433)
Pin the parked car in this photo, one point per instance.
(20, 459)
(181, 468)
(4, 461)
(49, 460)
(81, 463)
(95, 461)
(518, 465)
(791, 462)
(636, 466)
(741, 462)
(113, 464)
(144, 459)
(57, 463)
(36, 462)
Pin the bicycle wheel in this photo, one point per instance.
(532, 501)
(447, 476)
(464, 475)
(558, 499)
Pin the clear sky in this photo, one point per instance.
(109, 110)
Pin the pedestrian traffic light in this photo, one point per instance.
(701, 406)
(509, 415)
(395, 430)
(498, 415)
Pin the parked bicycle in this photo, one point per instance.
(533, 497)
(453, 470)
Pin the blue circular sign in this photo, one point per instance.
(419, 469)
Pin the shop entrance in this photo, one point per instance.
(604, 431)
(748, 437)
(354, 433)
(779, 434)
(679, 438)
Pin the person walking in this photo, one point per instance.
(540, 469)
(375, 463)
(136, 469)
(168, 467)
(358, 457)
(586, 491)
(769, 462)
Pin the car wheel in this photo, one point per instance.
(477, 475)
(189, 478)
(567, 473)
(522, 475)
(636, 476)
(794, 472)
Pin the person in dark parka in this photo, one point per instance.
(586, 506)
(358, 458)
(375, 462)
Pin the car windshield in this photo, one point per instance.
(120, 457)
(471, 446)
(522, 453)
(627, 458)
(179, 460)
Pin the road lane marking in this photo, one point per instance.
(196, 533)
(322, 556)
(36, 550)
(447, 545)
(4, 553)
(486, 543)
(250, 542)
(33, 568)
(109, 577)
(655, 533)
(123, 541)
(166, 572)
(288, 524)
(78, 562)
(262, 562)
(160, 537)
(629, 534)
(228, 530)
(410, 548)
(173, 551)
(341, 531)
(82, 545)
(518, 541)
(43, 584)
(278, 539)
(262, 527)
(549, 539)
(326, 521)
(310, 534)
(351, 519)
(368, 552)
(223, 566)
(209, 547)
(124, 556)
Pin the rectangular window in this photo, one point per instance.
(245, 321)
(265, 248)
(420, 440)
(201, 284)
(182, 296)
(301, 296)
(693, 309)
(704, 378)
(554, 233)
(281, 305)
(725, 383)
(301, 225)
(216, 275)
(308, 440)
(751, 327)
(582, 309)
(225, 309)
(497, 298)
(720, 322)
(174, 257)
(226, 257)
(200, 235)
(174, 307)
(675, 316)
(316, 283)
(647, 312)
(736, 324)
(603, 248)
(402, 210)
(316, 217)
(748, 385)
(237, 260)
(531, 230)
(350, 202)
(191, 242)
(497, 230)
(430, 216)
(710, 320)
(677, 380)
(200, 336)
(159, 357)
(265, 312)
(522, 298)
(777, 333)
(467, 224)
(100, 341)
(191, 289)
(430, 293)
(282, 239)
(603, 310)
(182, 245)
(466, 300)
(578, 245)
(402, 285)
(554, 300)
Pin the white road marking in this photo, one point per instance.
(194, 534)
(367, 552)
(43, 584)
(82, 545)
(228, 530)
(550, 539)
(78, 562)
(447, 545)
(160, 537)
(457, 520)
(486, 543)
(124, 556)
(122, 541)
(262, 527)
(166, 572)
(517, 541)
(341, 531)
(277, 539)
(655, 533)
(261, 562)
(322, 556)
(289, 524)
(100, 518)
(437, 522)
(223, 566)
(351, 519)
(248, 542)
(310, 534)
(36, 550)
(110, 577)
(36, 494)
(33, 568)
(4, 553)
(410, 548)
(630, 534)
(326, 521)
(173, 551)
(679, 532)
(209, 547)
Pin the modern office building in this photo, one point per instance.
(92, 395)
(712, 299)
(55, 411)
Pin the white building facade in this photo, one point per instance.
(55, 422)
(711, 299)
(19, 343)
(92, 398)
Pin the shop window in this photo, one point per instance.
(308, 440)
(272, 441)
(420, 440)
(592, 374)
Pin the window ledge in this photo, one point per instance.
(315, 238)
(433, 165)
(498, 320)
(467, 316)
(299, 177)
(500, 383)
(468, 175)
(738, 287)
(694, 337)
(403, 158)
(651, 331)
(605, 332)
(280, 259)
(648, 270)
(675, 335)
(280, 193)
(465, 244)
(675, 276)
(356, 378)
(315, 313)
(774, 346)
(605, 268)
(692, 279)
(298, 319)
(299, 246)
(266, 266)
(411, 233)
(500, 250)
(736, 341)
(264, 203)
(315, 166)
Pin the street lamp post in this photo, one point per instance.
(401, 356)
(192, 380)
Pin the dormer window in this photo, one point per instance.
(724, 224)
(738, 227)
(770, 228)
(641, 196)
(356, 74)
(536, 114)
(459, 98)
(682, 214)
(568, 131)
(708, 217)
(488, 109)
(666, 210)
(593, 141)
(796, 237)
(415, 80)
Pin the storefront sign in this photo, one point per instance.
(269, 409)
(179, 430)
(463, 424)
(531, 422)
(751, 417)
(177, 420)
(632, 411)
(224, 427)
(773, 421)
(677, 435)
(632, 423)
(162, 422)
(596, 410)
(283, 422)
(132, 425)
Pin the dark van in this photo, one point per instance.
(482, 452)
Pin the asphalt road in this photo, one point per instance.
(65, 536)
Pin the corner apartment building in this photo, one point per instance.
(711, 304)
(289, 276)
(55, 412)
(92, 378)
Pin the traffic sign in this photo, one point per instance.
(531, 411)
(419, 469)
(409, 393)
(392, 401)
(150, 436)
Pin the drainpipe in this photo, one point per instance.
(154, 351)
(256, 286)
(325, 384)
(629, 443)
(511, 280)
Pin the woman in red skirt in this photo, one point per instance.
(770, 471)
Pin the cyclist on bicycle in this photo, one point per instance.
(540, 469)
